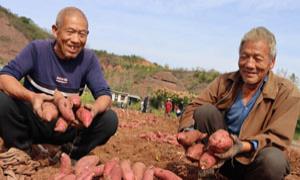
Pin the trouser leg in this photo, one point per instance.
(13, 124)
(208, 119)
(102, 128)
(270, 164)
(20, 127)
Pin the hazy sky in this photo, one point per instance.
(179, 33)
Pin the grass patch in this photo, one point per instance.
(87, 97)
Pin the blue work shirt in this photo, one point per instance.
(238, 112)
(44, 71)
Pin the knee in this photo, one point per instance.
(273, 163)
(113, 121)
(108, 122)
(207, 113)
(205, 110)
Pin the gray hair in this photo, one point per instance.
(261, 33)
(67, 11)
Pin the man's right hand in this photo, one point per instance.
(37, 101)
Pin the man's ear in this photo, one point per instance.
(54, 31)
(272, 63)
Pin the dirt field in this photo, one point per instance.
(150, 139)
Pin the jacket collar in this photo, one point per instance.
(270, 88)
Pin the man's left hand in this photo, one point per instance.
(235, 149)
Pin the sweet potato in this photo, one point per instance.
(65, 167)
(86, 162)
(164, 174)
(127, 173)
(115, 173)
(85, 175)
(190, 137)
(61, 125)
(109, 166)
(70, 177)
(65, 164)
(49, 111)
(75, 100)
(84, 116)
(149, 173)
(64, 106)
(220, 141)
(207, 160)
(138, 170)
(195, 151)
(90, 173)
(98, 170)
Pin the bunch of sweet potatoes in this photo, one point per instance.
(219, 142)
(67, 111)
(87, 168)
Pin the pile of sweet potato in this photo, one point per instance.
(67, 111)
(87, 168)
(219, 142)
(159, 137)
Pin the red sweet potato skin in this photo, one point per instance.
(49, 111)
(116, 172)
(138, 170)
(195, 151)
(86, 162)
(149, 173)
(207, 160)
(164, 174)
(84, 116)
(61, 125)
(65, 164)
(109, 166)
(220, 141)
(75, 100)
(189, 137)
(127, 172)
(64, 106)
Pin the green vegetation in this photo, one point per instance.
(205, 76)
(25, 25)
(87, 97)
(159, 97)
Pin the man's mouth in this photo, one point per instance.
(73, 49)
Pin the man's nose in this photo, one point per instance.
(250, 63)
(75, 37)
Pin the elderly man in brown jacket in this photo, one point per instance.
(253, 104)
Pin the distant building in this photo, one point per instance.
(123, 99)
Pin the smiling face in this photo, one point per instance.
(70, 34)
(255, 61)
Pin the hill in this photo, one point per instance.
(126, 73)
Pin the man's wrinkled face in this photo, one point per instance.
(71, 36)
(255, 61)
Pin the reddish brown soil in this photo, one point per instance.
(127, 144)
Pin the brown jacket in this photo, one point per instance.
(272, 120)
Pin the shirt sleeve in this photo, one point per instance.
(254, 144)
(95, 79)
(22, 64)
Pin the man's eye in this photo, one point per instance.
(243, 56)
(83, 33)
(259, 59)
(70, 31)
